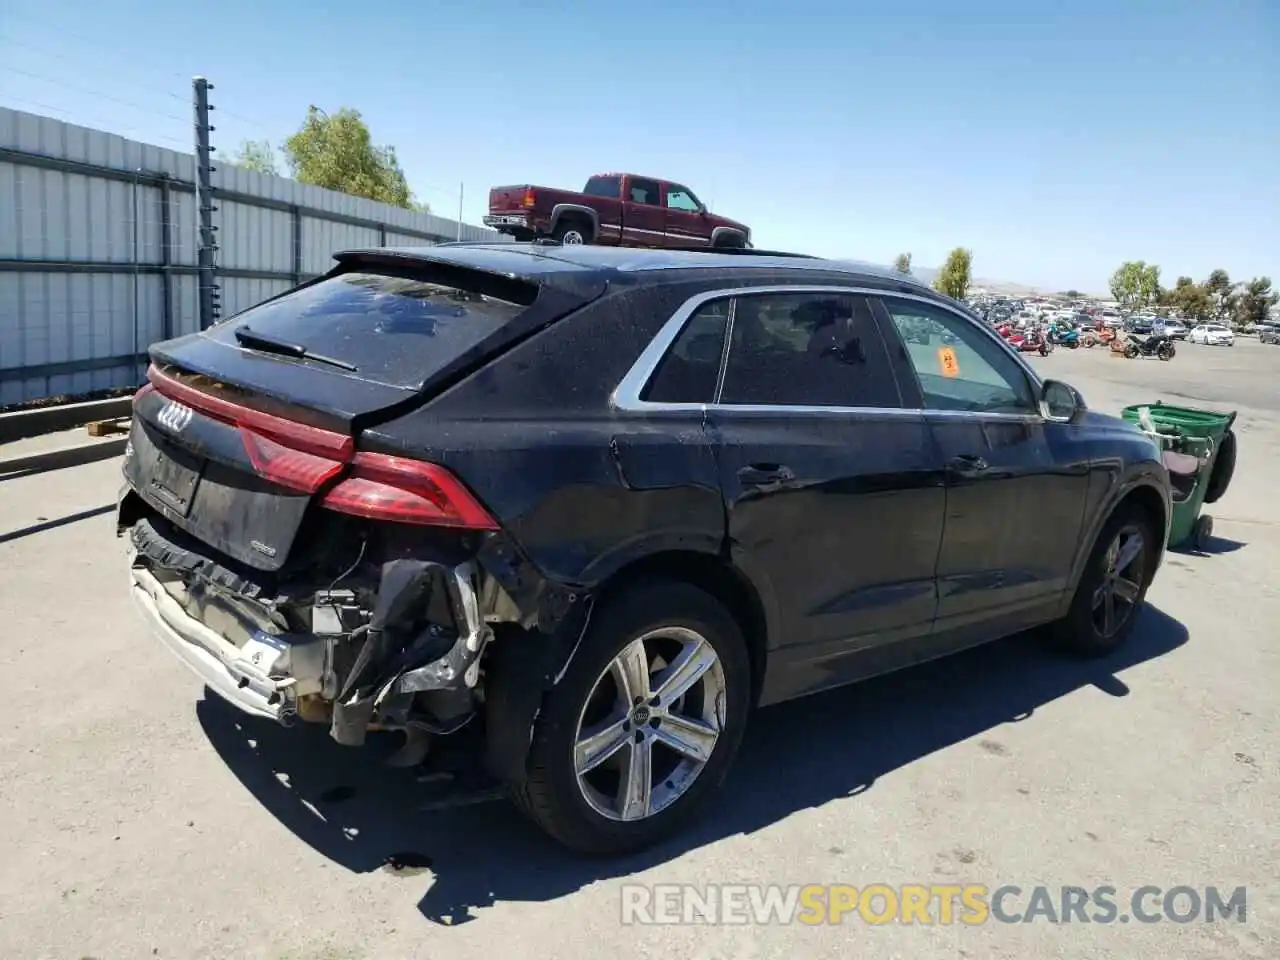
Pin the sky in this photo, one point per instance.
(1053, 139)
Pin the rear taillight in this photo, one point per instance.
(142, 392)
(294, 469)
(304, 458)
(382, 487)
(529, 199)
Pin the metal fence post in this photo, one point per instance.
(295, 243)
(206, 250)
(166, 258)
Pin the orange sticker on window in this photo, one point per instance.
(948, 363)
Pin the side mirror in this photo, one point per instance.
(1061, 402)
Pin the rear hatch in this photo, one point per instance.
(244, 428)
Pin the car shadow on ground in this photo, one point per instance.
(796, 756)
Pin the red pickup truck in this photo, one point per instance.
(618, 209)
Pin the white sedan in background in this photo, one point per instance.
(1213, 334)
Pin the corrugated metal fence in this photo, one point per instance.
(98, 249)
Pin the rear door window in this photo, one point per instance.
(393, 329)
(807, 349)
(644, 191)
(689, 371)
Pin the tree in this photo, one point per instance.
(902, 263)
(1072, 294)
(1136, 284)
(256, 155)
(1223, 294)
(956, 274)
(336, 151)
(1255, 301)
(1191, 300)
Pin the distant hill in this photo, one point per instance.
(1002, 287)
(1005, 287)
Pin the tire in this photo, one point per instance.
(1166, 351)
(1224, 468)
(1079, 632)
(568, 807)
(1131, 351)
(572, 233)
(1202, 532)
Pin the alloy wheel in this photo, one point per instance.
(1123, 570)
(650, 724)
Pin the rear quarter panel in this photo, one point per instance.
(581, 488)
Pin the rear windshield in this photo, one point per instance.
(393, 329)
(610, 187)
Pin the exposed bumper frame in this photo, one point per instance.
(215, 660)
(234, 673)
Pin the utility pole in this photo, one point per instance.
(207, 246)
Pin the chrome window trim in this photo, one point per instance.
(626, 396)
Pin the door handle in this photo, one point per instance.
(764, 474)
(968, 465)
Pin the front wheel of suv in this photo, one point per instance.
(645, 723)
(1113, 586)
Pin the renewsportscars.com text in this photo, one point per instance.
(972, 904)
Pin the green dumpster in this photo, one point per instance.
(1200, 451)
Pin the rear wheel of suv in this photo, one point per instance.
(645, 723)
(1113, 586)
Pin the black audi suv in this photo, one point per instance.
(597, 505)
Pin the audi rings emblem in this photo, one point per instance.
(175, 417)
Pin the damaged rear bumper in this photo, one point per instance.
(384, 667)
(227, 670)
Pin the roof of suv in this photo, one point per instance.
(534, 260)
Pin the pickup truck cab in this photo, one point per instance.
(615, 209)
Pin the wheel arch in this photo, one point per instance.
(1149, 500)
(1142, 492)
(516, 662)
(728, 237)
(716, 576)
(575, 211)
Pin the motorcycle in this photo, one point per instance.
(1103, 335)
(1153, 345)
(1033, 341)
(1064, 337)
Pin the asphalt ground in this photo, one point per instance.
(143, 820)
